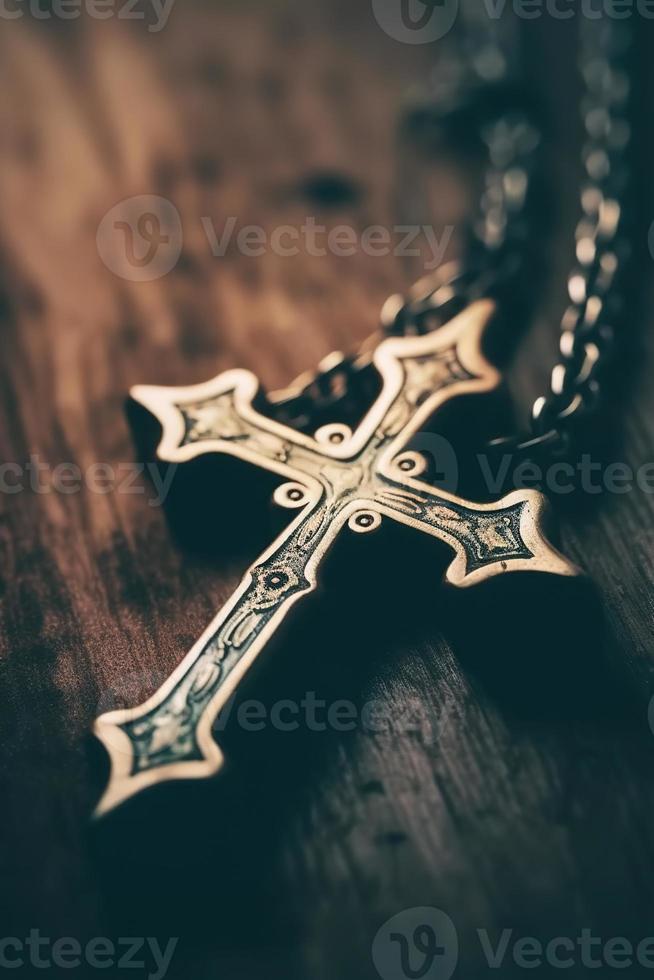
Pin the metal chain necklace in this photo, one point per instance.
(499, 246)
(343, 477)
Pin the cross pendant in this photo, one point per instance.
(335, 479)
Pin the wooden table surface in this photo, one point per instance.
(522, 796)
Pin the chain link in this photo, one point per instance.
(500, 248)
(587, 325)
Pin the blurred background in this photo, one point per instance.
(170, 172)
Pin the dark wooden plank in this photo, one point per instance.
(519, 793)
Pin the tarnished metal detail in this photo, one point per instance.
(352, 479)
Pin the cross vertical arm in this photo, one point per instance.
(169, 736)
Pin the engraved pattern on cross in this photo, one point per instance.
(337, 478)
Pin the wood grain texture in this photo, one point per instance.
(521, 794)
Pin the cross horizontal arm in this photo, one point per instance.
(489, 539)
(219, 417)
(418, 375)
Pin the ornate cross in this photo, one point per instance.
(336, 479)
